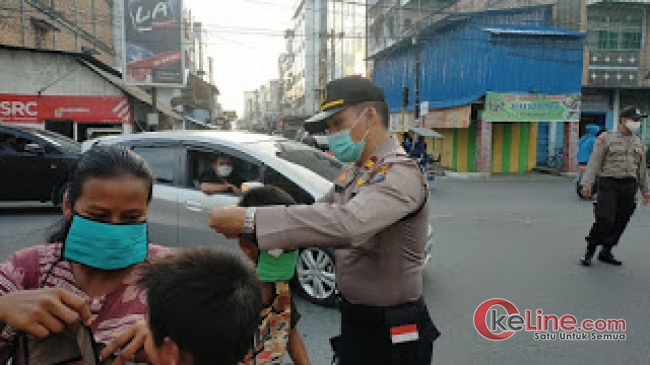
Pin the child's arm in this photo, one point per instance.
(296, 348)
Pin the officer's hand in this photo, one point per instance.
(41, 312)
(228, 221)
(586, 192)
(646, 199)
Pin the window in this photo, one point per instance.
(199, 163)
(162, 161)
(274, 178)
(615, 31)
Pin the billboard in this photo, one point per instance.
(153, 54)
(532, 108)
(458, 117)
(81, 109)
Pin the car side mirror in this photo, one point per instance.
(34, 148)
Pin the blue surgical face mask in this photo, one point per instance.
(105, 246)
(344, 148)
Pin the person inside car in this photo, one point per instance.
(86, 274)
(220, 179)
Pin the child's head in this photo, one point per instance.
(260, 197)
(204, 306)
(269, 267)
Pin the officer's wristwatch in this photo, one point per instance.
(248, 231)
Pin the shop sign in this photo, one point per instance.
(81, 109)
(532, 108)
(448, 118)
(395, 125)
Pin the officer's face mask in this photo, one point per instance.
(344, 148)
(105, 246)
(633, 125)
(224, 170)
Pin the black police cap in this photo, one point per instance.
(340, 94)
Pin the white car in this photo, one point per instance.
(178, 214)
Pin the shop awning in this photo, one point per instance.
(426, 132)
(134, 91)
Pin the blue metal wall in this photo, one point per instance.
(460, 60)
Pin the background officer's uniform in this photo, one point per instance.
(618, 160)
(377, 218)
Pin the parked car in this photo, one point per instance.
(178, 214)
(35, 164)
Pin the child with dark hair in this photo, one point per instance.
(204, 307)
(277, 330)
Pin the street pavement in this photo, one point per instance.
(516, 238)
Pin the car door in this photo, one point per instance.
(162, 216)
(30, 176)
(195, 205)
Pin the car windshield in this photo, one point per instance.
(307, 157)
(58, 140)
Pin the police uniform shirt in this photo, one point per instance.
(617, 155)
(379, 254)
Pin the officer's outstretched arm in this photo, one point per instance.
(595, 162)
(377, 205)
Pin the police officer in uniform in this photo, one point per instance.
(618, 161)
(376, 216)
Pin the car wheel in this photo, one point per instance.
(315, 276)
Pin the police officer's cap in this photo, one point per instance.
(632, 112)
(340, 94)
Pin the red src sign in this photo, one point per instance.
(80, 109)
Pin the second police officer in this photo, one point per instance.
(618, 162)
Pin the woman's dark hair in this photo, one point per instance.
(101, 162)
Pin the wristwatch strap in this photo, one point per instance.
(249, 221)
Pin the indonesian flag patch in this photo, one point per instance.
(406, 333)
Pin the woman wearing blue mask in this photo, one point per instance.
(87, 273)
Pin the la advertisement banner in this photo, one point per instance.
(153, 42)
(531, 108)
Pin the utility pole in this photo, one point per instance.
(416, 104)
(333, 60)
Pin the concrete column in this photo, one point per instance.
(484, 146)
(617, 107)
(571, 133)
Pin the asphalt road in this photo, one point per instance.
(517, 238)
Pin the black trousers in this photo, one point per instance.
(615, 204)
(366, 339)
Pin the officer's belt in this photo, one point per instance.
(374, 313)
(622, 180)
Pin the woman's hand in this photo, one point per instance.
(129, 346)
(41, 312)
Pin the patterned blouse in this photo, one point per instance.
(112, 314)
(277, 320)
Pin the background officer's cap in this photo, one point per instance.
(632, 112)
(340, 94)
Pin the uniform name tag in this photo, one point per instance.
(406, 333)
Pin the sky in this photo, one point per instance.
(244, 37)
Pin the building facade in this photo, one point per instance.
(327, 41)
(490, 109)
